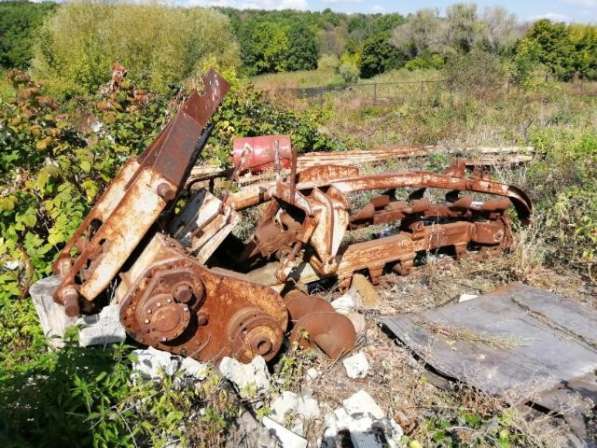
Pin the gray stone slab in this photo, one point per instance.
(97, 329)
(54, 322)
(103, 328)
(517, 342)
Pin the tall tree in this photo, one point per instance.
(379, 55)
(19, 21)
(302, 51)
(549, 44)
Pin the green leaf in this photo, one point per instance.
(7, 203)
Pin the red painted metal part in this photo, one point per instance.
(258, 154)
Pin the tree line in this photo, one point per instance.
(76, 42)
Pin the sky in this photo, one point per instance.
(525, 10)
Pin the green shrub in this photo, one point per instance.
(159, 45)
(328, 62)
(477, 71)
(349, 72)
(425, 62)
(379, 55)
(564, 187)
(19, 21)
(566, 50)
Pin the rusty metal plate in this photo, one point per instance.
(133, 202)
(517, 342)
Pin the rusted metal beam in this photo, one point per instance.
(132, 203)
(422, 225)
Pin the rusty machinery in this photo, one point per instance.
(168, 298)
(309, 216)
(161, 268)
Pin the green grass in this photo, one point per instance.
(299, 79)
(6, 90)
(328, 78)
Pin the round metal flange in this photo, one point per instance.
(162, 318)
(253, 332)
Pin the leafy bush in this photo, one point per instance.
(328, 62)
(159, 45)
(425, 62)
(379, 55)
(477, 72)
(566, 50)
(349, 67)
(19, 21)
(277, 44)
(52, 167)
(565, 186)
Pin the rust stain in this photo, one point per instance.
(316, 323)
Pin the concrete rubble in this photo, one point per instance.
(363, 419)
(54, 322)
(96, 329)
(192, 368)
(356, 365)
(467, 297)
(101, 329)
(312, 373)
(152, 363)
(303, 406)
(347, 302)
(286, 438)
(250, 379)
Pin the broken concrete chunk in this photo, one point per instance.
(366, 423)
(368, 294)
(153, 363)
(192, 368)
(287, 438)
(356, 365)
(346, 303)
(250, 379)
(103, 328)
(312, 373)
(282, 405)
(54, 321)
(304, 406)
(359, 323)
(361, 403)
(467, 297)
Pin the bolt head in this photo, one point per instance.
(166, 192)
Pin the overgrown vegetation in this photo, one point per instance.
(158, 44)
(19, 22)
(62, 138)
(153, 46)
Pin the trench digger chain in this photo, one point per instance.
(175, 289)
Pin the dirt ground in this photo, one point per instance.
(432, 410)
